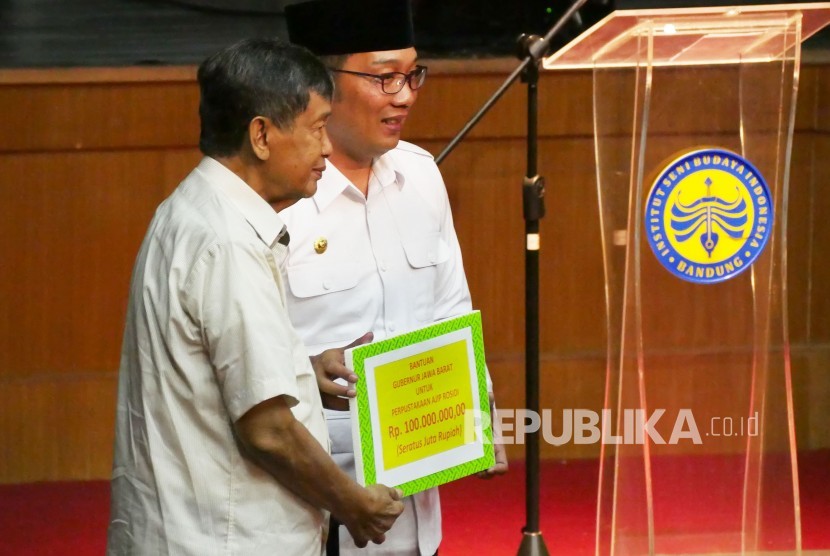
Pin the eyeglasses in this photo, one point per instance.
(392, 83)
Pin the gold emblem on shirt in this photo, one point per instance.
(320, 245)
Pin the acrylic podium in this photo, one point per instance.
(693, 119)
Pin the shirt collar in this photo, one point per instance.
(260, 215)
(334, 183)
(385, 173)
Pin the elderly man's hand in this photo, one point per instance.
(374, 515)
(330, 365)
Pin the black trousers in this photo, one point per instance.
(333, 542)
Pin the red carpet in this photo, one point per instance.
(70, 518)
(568, 502)
(568, 507)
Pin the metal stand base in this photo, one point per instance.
(532, 545)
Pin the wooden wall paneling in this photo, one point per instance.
(572, 296)
(800, 235)
(571, 383)
(74, 226)
(484, 182)
(84, 418)
(811, 390)
(446, 103)
(808, 103)
(683, 101)
(79, 116)
(565, 104)
(72, 232)
(808, 278)
(57, 428)
(552, 229)
(819, 279)
(809, 268)
(449, 101)
(508, 383)
(822, 94)
(567, 384)
(86, 163)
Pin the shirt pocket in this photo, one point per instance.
(426, 251)
(312, 280)
(327, 304)
(424, 255)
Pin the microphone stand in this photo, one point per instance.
(531, 50)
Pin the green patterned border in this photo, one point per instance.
(361, 353)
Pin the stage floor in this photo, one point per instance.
(481, 518)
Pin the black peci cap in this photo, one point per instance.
(330, 27)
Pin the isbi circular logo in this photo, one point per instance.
(708, 215)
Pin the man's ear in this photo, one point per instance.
(258, 137)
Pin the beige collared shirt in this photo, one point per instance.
(207, 338)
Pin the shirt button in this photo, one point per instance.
(326, 285)
(382, 266)
(391, 326)
(431, 256)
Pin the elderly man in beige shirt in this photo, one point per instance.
(221, 446)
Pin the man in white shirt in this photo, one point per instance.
(374, 250)
(221, 446)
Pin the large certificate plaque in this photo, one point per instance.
(421, 415)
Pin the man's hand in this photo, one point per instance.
(272, 438)
(370, 519)
(500, 467)
(330, 365)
